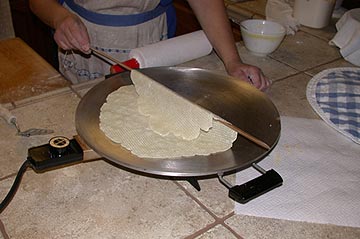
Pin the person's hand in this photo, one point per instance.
(251, 74)
(71, 34)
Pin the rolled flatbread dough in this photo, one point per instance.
(121, 121)
(168, 112)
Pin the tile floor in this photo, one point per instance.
(100, 200)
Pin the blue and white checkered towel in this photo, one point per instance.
(335, 95)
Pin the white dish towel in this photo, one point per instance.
(321, 173)
(348, 36)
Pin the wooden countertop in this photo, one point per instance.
(23, 73)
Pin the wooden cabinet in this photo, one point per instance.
(185, 18)
(187, 21)
(33, 31)
(351, 4)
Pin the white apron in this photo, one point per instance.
(116, 41)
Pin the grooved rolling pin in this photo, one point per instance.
(11, 119)
(169, 52)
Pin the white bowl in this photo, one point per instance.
(261, 37)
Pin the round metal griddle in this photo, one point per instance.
(227, 97)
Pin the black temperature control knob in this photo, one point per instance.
(59, 146)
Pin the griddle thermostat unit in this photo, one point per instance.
(60, 151)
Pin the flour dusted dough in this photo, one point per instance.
(121, 121)
(168, 112)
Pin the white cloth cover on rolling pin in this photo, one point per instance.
(173, 51)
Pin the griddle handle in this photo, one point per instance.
(254, 188)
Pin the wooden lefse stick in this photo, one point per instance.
(100, 53)
(244, 134)
(231, 126)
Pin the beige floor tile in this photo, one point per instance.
(209, 62)
(272, 69)
(304, 51)
(326, 33)
(213, 195)
(42, 97)
(82, 92)
(99, 200)
(335, 64)
(56, 113)
(255, 227)
(8, 106)
(217, 232)
(3, 234)
(289, 97)
(84, 87)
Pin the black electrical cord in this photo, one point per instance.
(15, 185)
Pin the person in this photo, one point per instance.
(118, 26)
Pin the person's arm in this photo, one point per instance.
(70, 32)
(212, 17)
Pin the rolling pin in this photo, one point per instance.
(11, 119)
(169, 52)
(8, 117)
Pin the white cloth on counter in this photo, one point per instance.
(281, 11)
(321, 173)
(348, 36)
